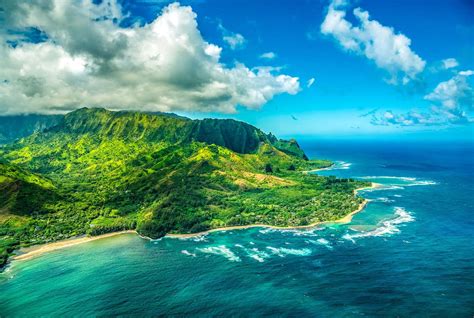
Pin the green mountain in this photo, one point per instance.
(98, 171)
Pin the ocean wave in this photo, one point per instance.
(267, 230)
(387, 227)
(254, 253)
(282, 251)
(186, 252)
(338, 165)
(382, 199)
(405, 181)
(383, 188)
(221, 250)
(304, 233)
(323, 242)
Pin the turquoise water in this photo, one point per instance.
(409, 253)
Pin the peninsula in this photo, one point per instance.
(95, 171)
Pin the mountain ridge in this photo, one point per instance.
(160, 174)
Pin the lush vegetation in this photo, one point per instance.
(98, 171)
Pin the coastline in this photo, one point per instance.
(319, 169)
(26, 253)
(343, 220)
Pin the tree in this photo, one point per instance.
(292, 167)
(268, 168)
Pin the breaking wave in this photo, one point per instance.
(254, 253)
(186, 252)
(403, 181)
(338, 165)
(322, 242)
(282, 251)
(221, 250)
(386, 228)
(383, 200)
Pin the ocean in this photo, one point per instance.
(409, 253)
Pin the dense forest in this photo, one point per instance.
(94, 171)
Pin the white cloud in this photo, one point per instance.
(453, 94)
(235, 41)
(452, 103)
(87, 59)
(310, 82)
(466, 73)
(449, 63)
(407, 119)
(268, 56)
(380, 44)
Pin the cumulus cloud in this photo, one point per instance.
(455, 93)
(268, 56)
(86, 58)
(452, 102)
(449, 63)
(389, 50)
(310, 82)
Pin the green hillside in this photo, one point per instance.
(98, 171)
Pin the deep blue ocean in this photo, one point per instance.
(409, 253)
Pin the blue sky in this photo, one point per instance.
(354, 92)
(346, 85)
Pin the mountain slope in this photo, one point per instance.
(166, 174)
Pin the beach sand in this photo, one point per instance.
(345, 219)
(37, 250)
(25, 253)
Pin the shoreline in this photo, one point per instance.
(30, 252)
(319, 169)
(343, 220)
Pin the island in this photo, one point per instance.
(95, 171)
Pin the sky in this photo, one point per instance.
(295, 68)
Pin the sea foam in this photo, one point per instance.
(254, 253)
(221, 250)
(404, 181)
(323, 242)
(387, 227)
(339, 165)
(282, 251)
(186, 252)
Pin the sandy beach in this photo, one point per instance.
(37, 250)
(345, 219)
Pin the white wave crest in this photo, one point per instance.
(387, 227)
(338, 165)
(382, 199)
(323, 242)
(254, 253)
(305, 233)
(221, 250)
(186, 252)
(282, 251)
(404, 181)
(383, 188)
